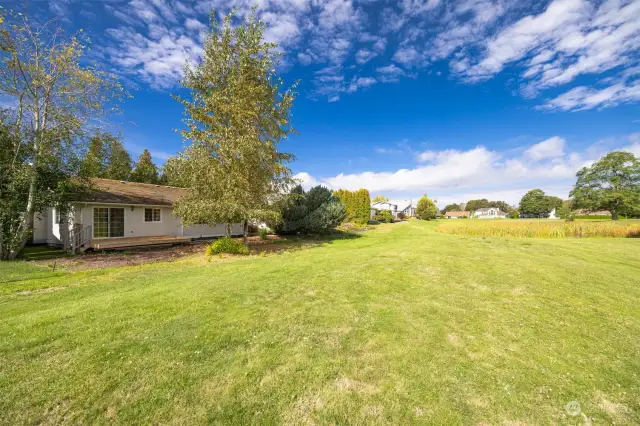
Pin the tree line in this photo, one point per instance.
(610, 184)
(107, 158)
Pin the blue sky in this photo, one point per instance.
(457, 99)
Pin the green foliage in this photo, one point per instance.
(515, 214)
(452, 208)
(384, 216)
(236, 114)
(263, 232)
(426, 209)
(565, 210)
(57, 95)
(473, 205)
(612, 183)
(226, 245)
(379, 198)
(145, 171)
(357, 203)
(317, 211)
(536, 203)
(106, 158)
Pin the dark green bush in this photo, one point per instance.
(384, 216)
(226, 245)
(317, 211)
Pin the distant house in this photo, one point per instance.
(489, 213)
(410, 210)
(117, 212)
(592, 213)
(456, 215)
(383, 205)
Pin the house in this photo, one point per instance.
(489, 213)
(457, 215)
(383, 205)
(584, 212)
(410, 210)
(120, 214)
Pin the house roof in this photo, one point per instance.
(121, 192)
(458, 214)
(486, 210)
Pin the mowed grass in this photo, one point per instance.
(542, 228)
(402, 325)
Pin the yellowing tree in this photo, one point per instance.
(237, 113)
(54, 96)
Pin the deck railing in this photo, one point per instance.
(80, 237)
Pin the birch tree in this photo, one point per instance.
(237, 113)
(54, 96)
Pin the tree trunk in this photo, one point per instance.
(614, 215)
(245, 232)
(227, 232)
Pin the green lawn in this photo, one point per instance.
(402, 325)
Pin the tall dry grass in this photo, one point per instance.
(539, 229)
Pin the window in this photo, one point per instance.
(108, 222)
(152, 215)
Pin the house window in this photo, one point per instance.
(152, 215)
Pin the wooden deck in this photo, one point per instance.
(128, 242)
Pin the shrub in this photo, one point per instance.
(226, 245)
(263, 232)
(402, 216)
(426, 209)
(383, 216)
(317, 211)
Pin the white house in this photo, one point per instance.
(115, 211)
(383, 205)
(489, 213)
(410, 210)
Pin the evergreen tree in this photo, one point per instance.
(144, 170)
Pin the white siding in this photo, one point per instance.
(135, 226)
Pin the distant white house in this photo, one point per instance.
(410, 210)
(489, 213)
(383, 205)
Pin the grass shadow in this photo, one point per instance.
(279, 244)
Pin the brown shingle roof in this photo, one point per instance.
(457, 214)
(121, 192)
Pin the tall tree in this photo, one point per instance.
(612, 183)
(106, 158)
(237, 113)
(426, 209)
(537, 204)
(502, 205)
(118, 165)
(380, 199)
(145, 171)
(55, 95)
(453, 207)
(473, 205)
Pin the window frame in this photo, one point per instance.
(153, 209)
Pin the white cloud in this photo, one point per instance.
(550, 148)
(455, 175)
(634, 147)
(583, 97)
